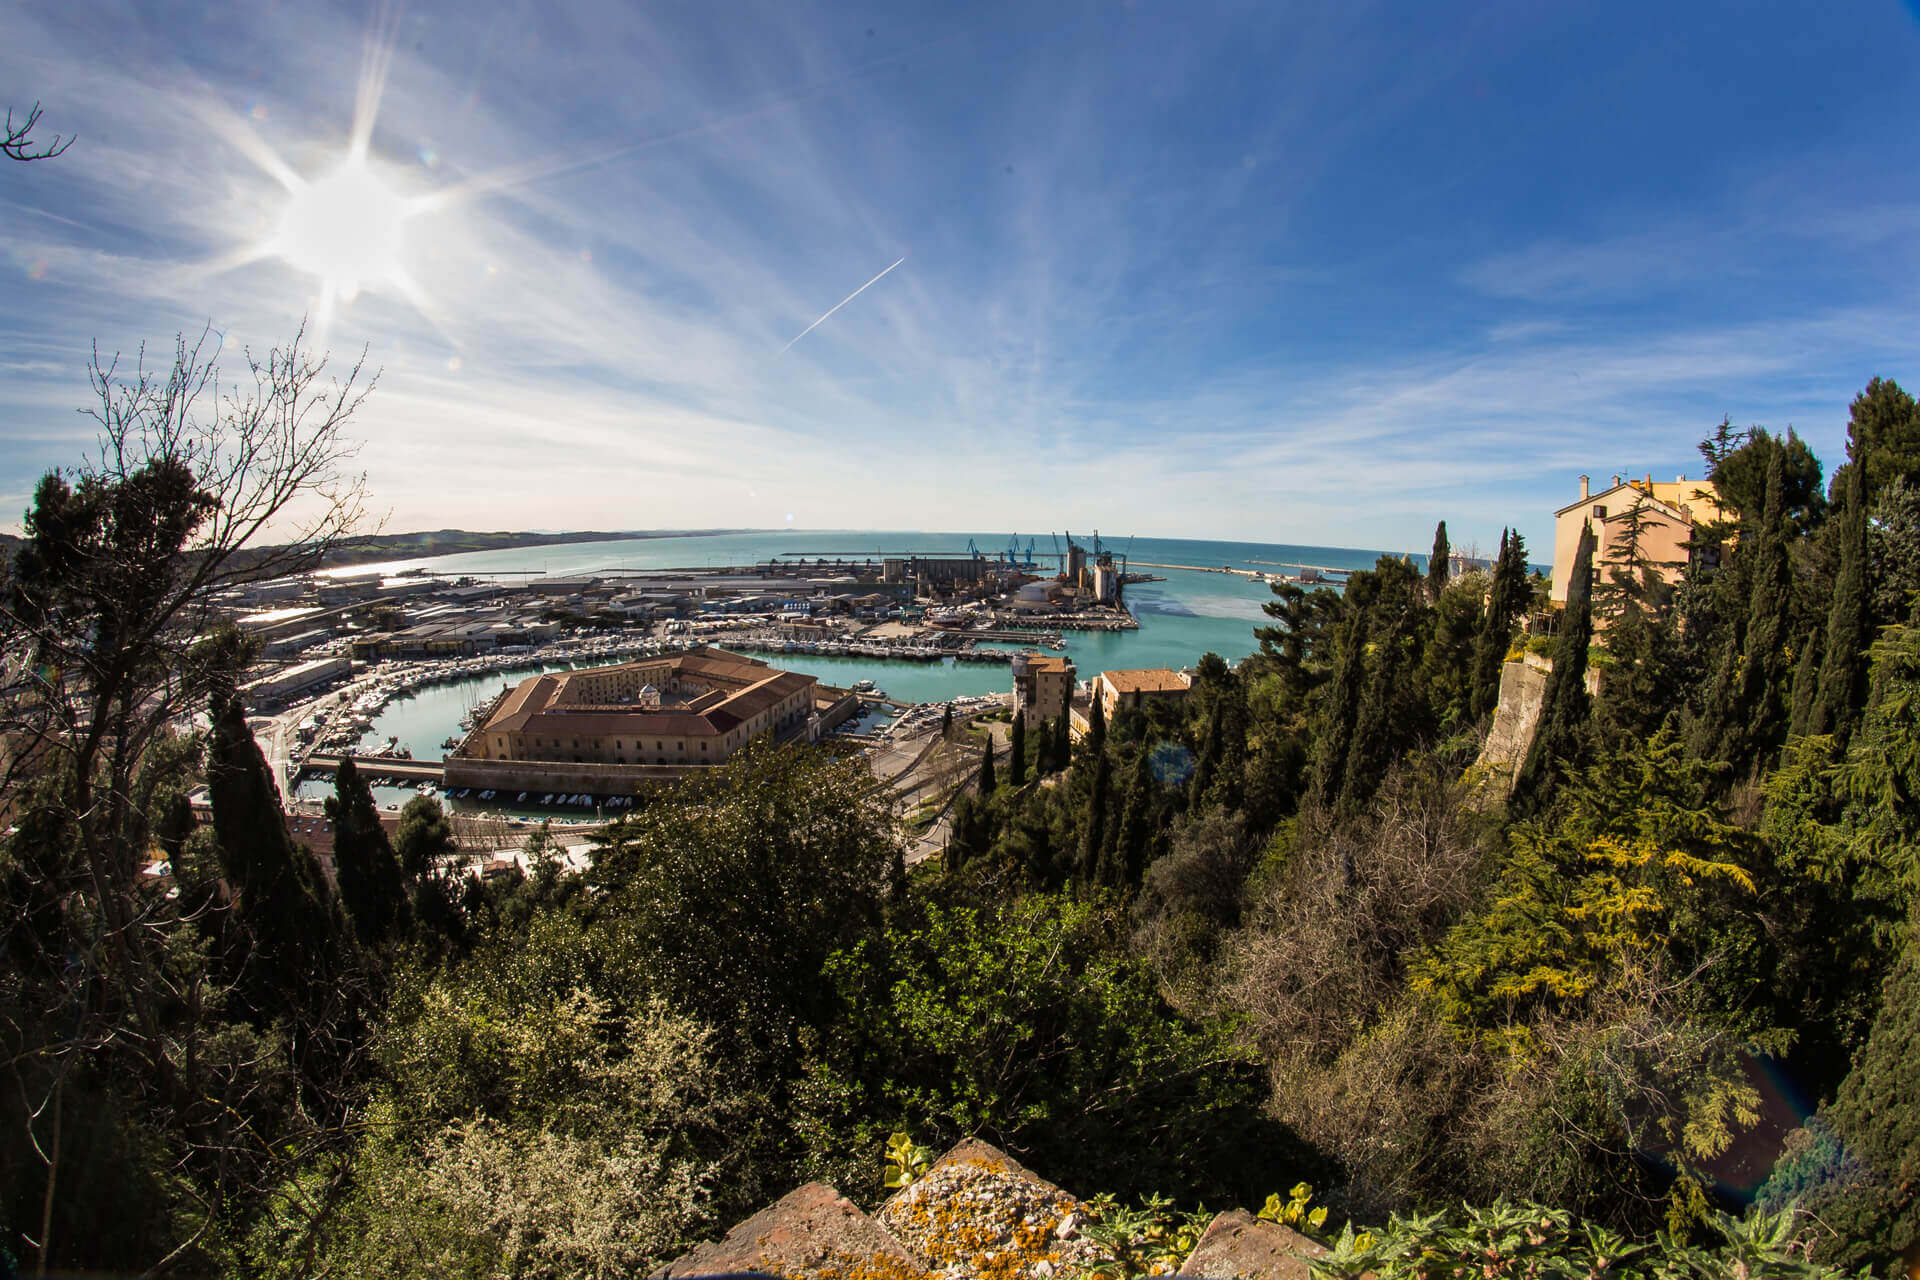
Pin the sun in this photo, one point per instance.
(347, 229)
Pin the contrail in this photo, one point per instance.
(843, 302)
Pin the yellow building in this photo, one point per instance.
(691, 708)
(1668, 512)
(1042, 687)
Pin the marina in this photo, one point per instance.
(399, 710)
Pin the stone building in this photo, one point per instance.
(1042, 687)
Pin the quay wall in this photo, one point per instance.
(542, 775)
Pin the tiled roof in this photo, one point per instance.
(743, 688)
(1146, 680)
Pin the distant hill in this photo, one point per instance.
(373, 548)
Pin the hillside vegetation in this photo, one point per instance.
(1288, 930)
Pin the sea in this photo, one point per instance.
(1188, 615)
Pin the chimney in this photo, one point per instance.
(1583, 488)
(1616, 482)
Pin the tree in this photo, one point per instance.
(1340, 709)
(280, 895)
(425, 847)
(1563, 705)
(946, 722)
(1094, 829)
(1137, 820)
(987, 782)
(15, 142)
(1017, 751)
(1883, 439)
(363, 861)
(1632, 581)
(1855, 1168)
(1438, 563)
(1062, 741)
(1843, 669)
(112, 586)
(1506, 604)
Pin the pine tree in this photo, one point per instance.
(1564, 705)
(1438, 563)
(1869, 1204)
(1631, 582)
(1843, 669)
(363, 861)
(987, 783)
(1017, 756)
(279, 891)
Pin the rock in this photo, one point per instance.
(813, 1233)
(977, 1212)
(1240, 1245)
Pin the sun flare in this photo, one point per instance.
(347, 228)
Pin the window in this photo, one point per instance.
(1599, 513)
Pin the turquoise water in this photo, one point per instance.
(1180, 619)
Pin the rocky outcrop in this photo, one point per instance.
(1239, 1244)
(1523, 688)
(975, 1213)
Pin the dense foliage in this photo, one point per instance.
(1292, 923)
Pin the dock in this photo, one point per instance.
(381, 768)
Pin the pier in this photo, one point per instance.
(380, 768)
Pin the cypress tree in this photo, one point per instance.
(1438, 563)
(987, 783)
(1806, 683)
(1758, 723)
(363, 860)
(1093, 832)
(1843, 670)
(1506, 601)
(1062, 743)
(1017, 756)
(946, 722)
(1379, 724)
(1205, 762)
(1136, 821)
(1341, 707)
(1564, 705)
(279, 892)
(1097, 727)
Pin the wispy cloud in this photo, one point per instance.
(1171, 273)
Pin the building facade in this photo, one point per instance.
(1042, 687)
(1667, 513)
(693, 708)
(1130, 690)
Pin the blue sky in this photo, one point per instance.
(1280, 272)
